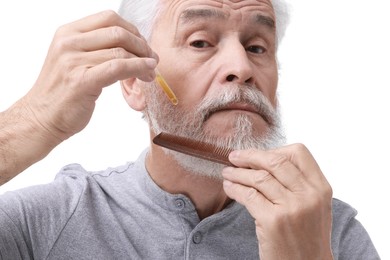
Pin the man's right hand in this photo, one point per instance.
(84, 57)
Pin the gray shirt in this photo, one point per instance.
(120, 213)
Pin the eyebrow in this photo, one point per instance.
(191, 15)
(265, 20)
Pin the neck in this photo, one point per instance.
(206, 193)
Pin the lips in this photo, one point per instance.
(239, 107)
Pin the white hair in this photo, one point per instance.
(143, 14)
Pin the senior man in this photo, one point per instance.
(219, 58)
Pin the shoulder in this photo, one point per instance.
(111, 176)
(343, 215)
(62, 194)
(34, 217)
(114, 182)
(342, 211)
(69, 185)
(350, 240)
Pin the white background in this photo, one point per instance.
(333, 91)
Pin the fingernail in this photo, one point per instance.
(227, 170)
(151, 63)
(234, 154)
(227, 183)
(150, 79)
(155, 56)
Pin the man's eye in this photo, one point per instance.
(200, 44)
(256, 49)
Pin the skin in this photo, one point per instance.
(208, 50)
(84, 57)
(283, 189)
(210, 68)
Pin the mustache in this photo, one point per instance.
(239, 94)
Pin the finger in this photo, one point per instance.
(94, 58)
(249, 197)
(111, 37)
(111, 71)
(276, 163)
(100, 20)
(261, 180)
(301, 157)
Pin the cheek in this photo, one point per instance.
(274, 86)
(267, 81)
(189, 83)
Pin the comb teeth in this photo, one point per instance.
(194, 148)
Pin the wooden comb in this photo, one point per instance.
(195, 148)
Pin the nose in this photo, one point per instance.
(236, 66)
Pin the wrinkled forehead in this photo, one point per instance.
(182, 11)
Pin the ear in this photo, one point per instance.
(133, 93)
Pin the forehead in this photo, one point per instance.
(183, 10)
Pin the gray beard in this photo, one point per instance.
(162, 116)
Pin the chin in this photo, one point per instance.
(240, 126)
(197, 166)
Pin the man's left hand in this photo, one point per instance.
(288, 196)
